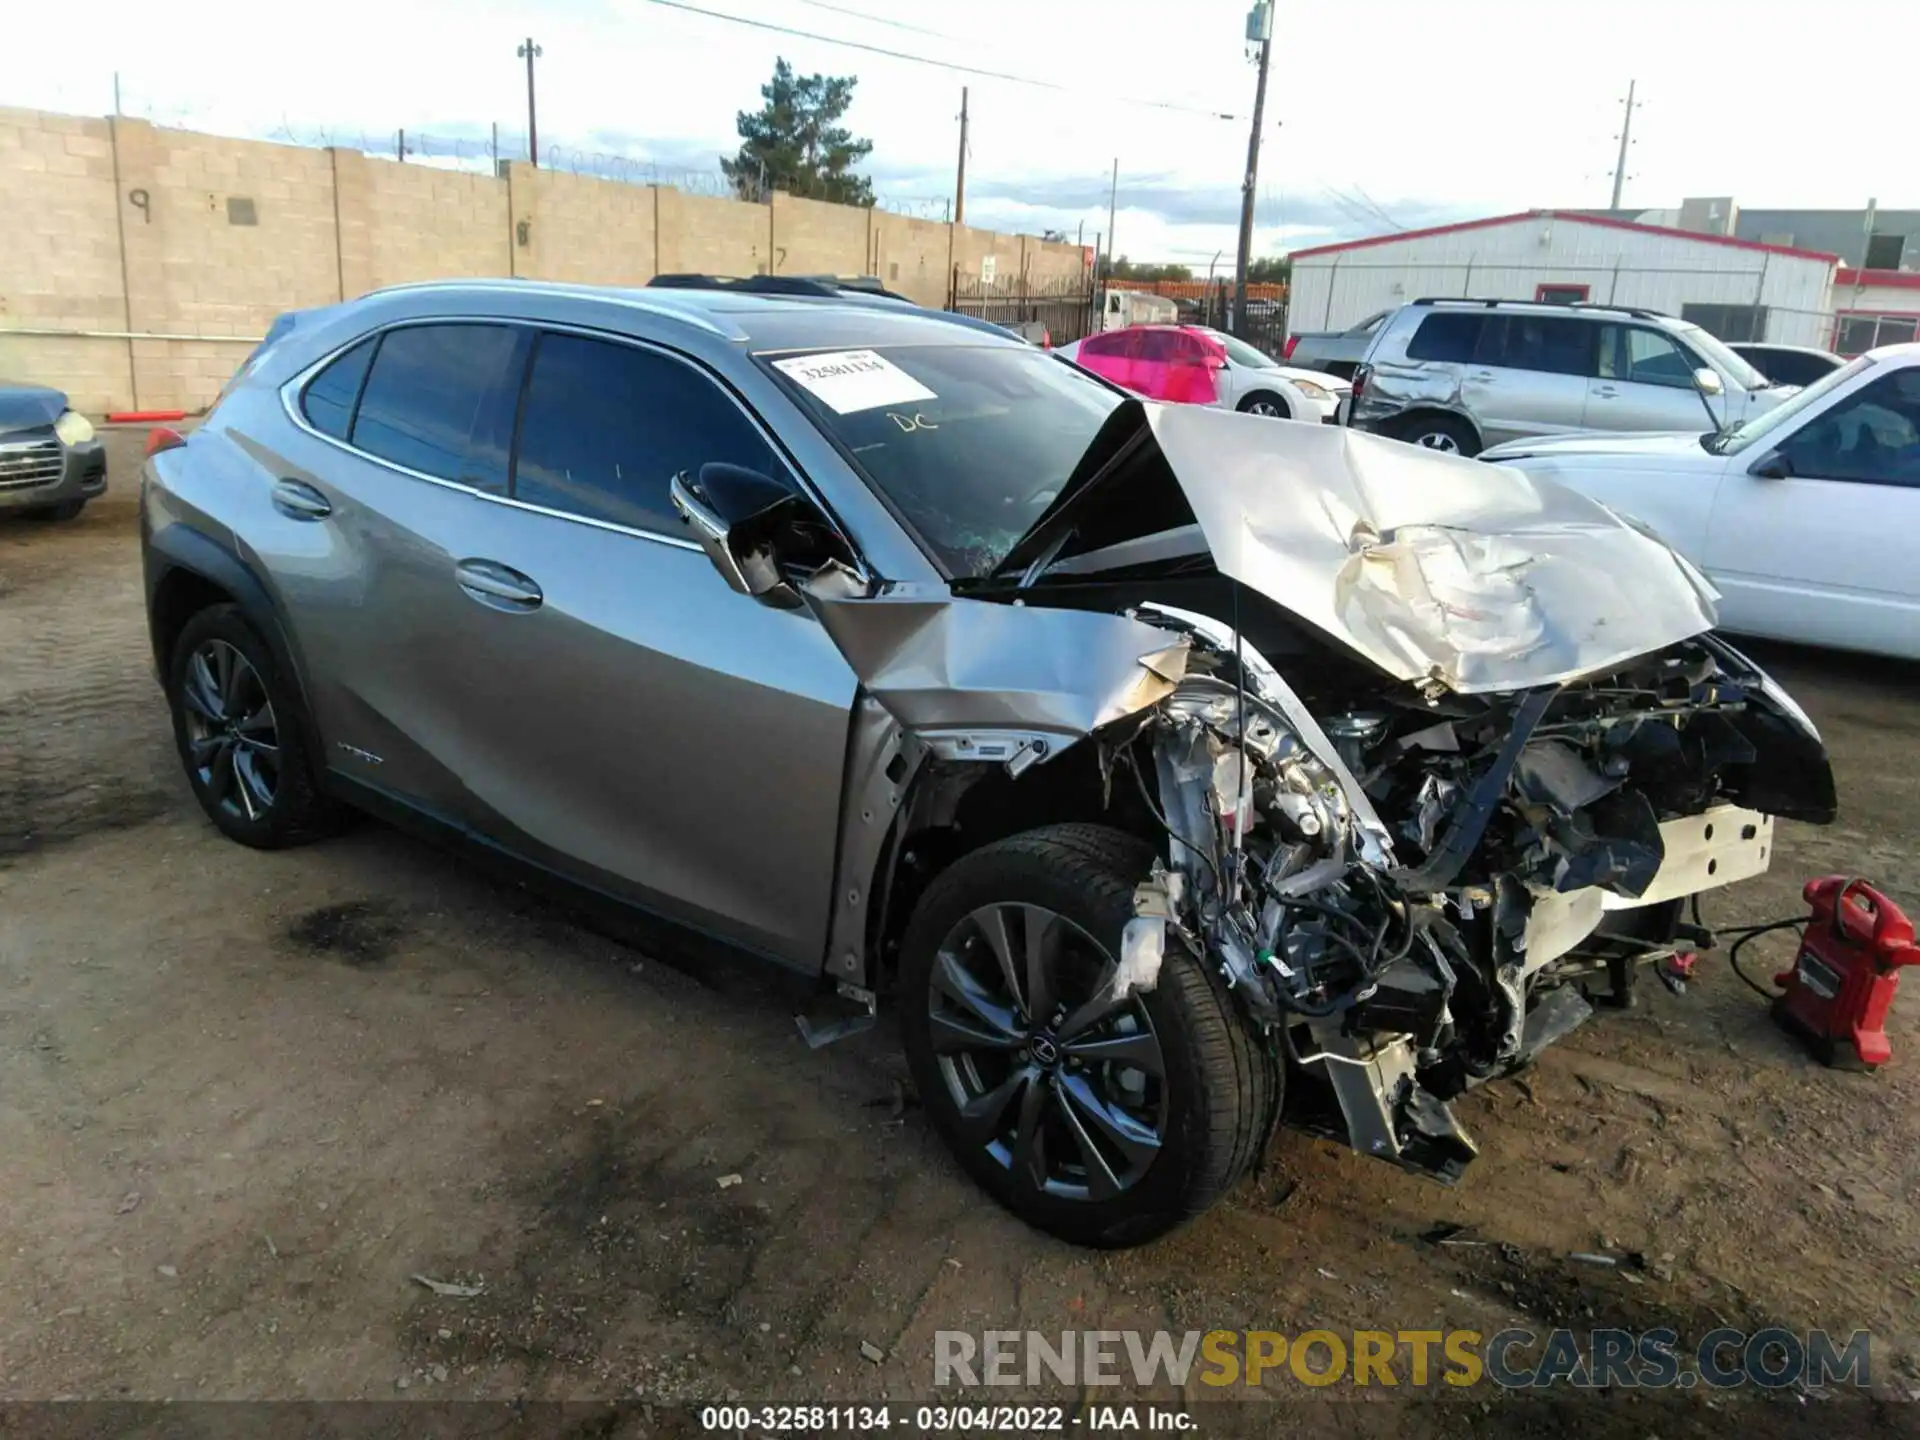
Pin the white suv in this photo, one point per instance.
(1461, 375)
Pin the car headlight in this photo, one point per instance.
(73, 428)
(1312, 391)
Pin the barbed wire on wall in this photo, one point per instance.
(483, 154)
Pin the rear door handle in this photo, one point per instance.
(497, 587)
(298, 500)
(1482, 377)
(1606, 392)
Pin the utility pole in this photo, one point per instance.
(1260, 32)
(400, 149)
(1113, 194)
(531, 52)
(960, 178)
(1626, 139)
(116, 92)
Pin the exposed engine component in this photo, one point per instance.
(1404, 894)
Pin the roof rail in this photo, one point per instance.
(817, 286)
(746, 284)
(1634, 311)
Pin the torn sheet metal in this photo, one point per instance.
(940, 664)
(1428, 564)
(1434, 567)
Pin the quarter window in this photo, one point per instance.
(606, 427)
(428, 386)
(330, 395)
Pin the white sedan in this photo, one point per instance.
(1804, 518)
(1194, 365)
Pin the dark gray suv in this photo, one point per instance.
(1174, 771)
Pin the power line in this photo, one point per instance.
(936, 64)
(878, 19)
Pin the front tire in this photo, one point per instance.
(65, 510)
(1104, 1123)
(1265, 402)
(242, 737)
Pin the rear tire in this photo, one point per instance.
(242, 736)
(1166, 1146)
(1265, 402)
(1445, 433)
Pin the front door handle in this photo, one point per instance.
(1606, 392)
(1482, 378)
(497, 587)
(298, 500)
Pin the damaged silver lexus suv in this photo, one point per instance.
(1173, 773)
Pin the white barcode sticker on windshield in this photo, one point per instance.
(850, 380)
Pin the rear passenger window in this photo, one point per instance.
(606, 427)
(328, 402)
(428, 385)
(1446, 336)
(1544, 343)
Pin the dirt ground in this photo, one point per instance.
(245, 1099)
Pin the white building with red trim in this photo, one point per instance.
(1738, 289)
(1874, 307)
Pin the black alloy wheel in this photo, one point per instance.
(1055, 1079)
(232, 739)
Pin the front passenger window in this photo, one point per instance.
(1644, 357)
(607, 426)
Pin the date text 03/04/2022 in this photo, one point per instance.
(940, 1419)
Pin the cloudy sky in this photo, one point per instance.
(1381, 114)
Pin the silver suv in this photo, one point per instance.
(927, 665)
(1464, 375)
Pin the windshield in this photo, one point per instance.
(1241, 353)
(969, 444)
(1728, 363)
(1733, 441)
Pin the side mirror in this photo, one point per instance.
(1707, 382)
(752, 526)
(1772, 466)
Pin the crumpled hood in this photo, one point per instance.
(1649, 444)
(29, 407)
(1435, 568)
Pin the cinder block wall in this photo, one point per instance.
(139, 265)
(60, 256)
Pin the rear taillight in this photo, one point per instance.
(1286, 351)
(1360, 374)
(161, 438)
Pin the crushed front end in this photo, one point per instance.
(1411, 895)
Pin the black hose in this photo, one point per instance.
(1741, 934)
(1754, 932)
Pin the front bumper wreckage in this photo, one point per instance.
(1475, 809)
